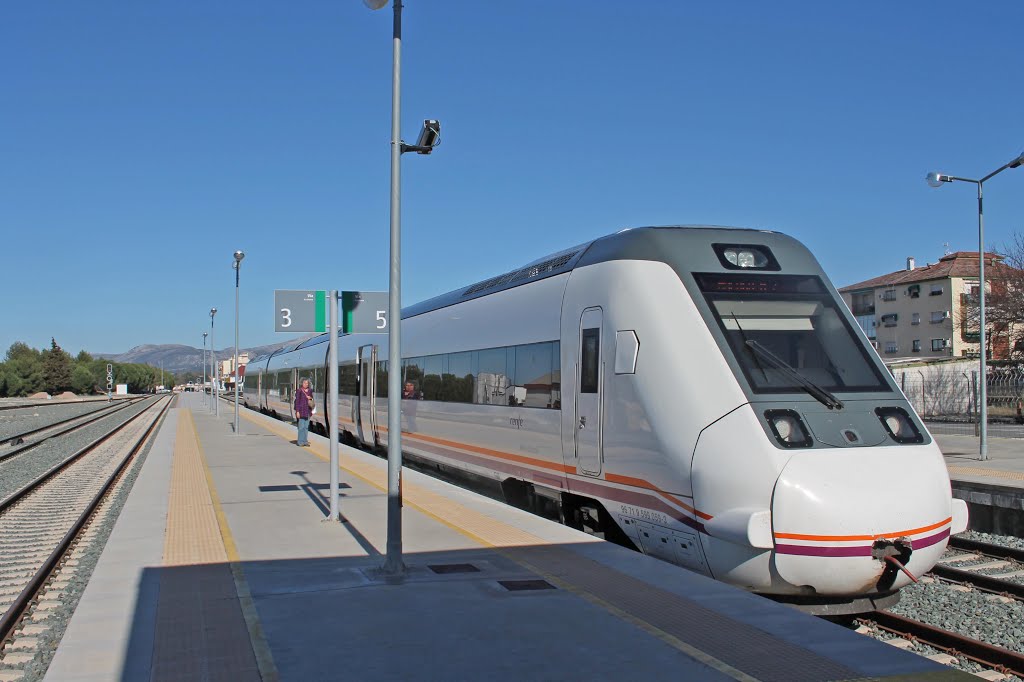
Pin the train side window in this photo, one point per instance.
(492, 377)
(382, 379)
(348, 382)
(533, 379)
(590, 354)
(431, 386)
(457, 382)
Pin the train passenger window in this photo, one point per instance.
(532, 381)
(590, 355)
(431, 386)
(457, 382)
(492, 377)
(348, 381)
(382, 379)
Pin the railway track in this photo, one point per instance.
(15, 443)
(952, 644)
(43, 522)
(54, 403)
(984, 566)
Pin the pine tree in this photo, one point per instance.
(56, 369)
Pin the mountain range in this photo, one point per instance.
(180, 358)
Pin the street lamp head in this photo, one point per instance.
(1018, 161)
(205, 334)
(239, 255)
(213, 311)
(936, 179)
(375, 4)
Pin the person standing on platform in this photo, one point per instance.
(303, 411)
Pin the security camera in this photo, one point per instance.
(429, 138)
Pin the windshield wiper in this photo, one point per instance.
(819, 393)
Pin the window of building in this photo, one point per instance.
(936, 290)
(889, 295)
(891, 347)
(917, 346)
(914, 290)
(938, 344)
(889, 320)
(915, 318)
(938, 316)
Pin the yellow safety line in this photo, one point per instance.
(981, 471)
(524, 538)
(258, 640)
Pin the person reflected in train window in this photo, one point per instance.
(409, 392)
(303, 410)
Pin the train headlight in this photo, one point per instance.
(899, 425)
(746, 258)
(788, 428)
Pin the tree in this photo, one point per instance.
(1004, 304)
(56, 369)
(24, 369)
(82, 381)
(83, 357)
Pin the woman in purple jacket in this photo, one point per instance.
(303, 411)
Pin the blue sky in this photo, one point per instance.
(142, 143)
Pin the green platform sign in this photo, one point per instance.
(364, 312)
(300, 311)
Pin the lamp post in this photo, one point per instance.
(937, 180)
(429, 138)
(213, 366)
(205, 334)
(237, 265)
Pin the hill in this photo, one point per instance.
(180, 358)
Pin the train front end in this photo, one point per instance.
(825, 489)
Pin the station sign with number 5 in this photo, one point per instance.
(361, 312)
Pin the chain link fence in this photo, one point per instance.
(946, 397)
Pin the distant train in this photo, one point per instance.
(720, 410)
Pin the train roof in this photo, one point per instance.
(635, 242)
(642, 243)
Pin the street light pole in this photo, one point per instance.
(204, 367)
(213, 366)
(428, 139)
(239, 255)
(393, 562)
(937, 180)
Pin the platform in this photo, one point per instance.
(994, 488)
(221, 568)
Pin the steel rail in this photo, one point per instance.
(955, 644)
(93, 416)
(983, 582)
(21, 603)
(4, 504)
(987, 548)
(25, 406)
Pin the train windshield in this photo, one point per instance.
(795, 320)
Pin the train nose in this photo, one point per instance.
(842, 519)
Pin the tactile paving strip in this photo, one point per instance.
(201, 633)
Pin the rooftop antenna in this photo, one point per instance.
(945, 248)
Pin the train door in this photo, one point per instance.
(366, 398)
(589, 403)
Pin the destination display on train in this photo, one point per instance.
(727, 283)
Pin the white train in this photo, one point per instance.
(699, 393)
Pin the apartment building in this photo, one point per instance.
(925, 312)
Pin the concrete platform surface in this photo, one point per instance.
(1004, 466)
(221, 567)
